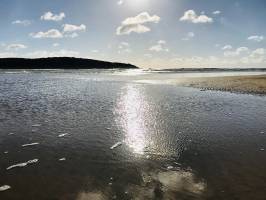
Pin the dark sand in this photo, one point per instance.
(255, 84)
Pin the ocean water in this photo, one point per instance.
(98, 135)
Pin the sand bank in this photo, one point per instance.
(255, 84)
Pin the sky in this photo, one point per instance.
(147, 33)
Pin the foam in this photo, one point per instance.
(36, 125)
(4, 188)
(31, 144)
(63, 135)
(22, 164)
(116, 145)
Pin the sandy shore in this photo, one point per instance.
(255, 84)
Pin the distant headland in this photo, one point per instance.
(60, 63)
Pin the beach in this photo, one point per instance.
(255, 84)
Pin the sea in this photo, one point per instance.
(128, 135)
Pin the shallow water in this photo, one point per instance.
(168, 142)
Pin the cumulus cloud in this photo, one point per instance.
(191, 16)
(259, 51)
(73, 28)
(137, 24)
(210, 61)
(189, 36)
(160, 46)
(246, 58)
(237, 52)
(217, 12)
(22, 22)
(16, 47)
(69, 31)
(254, 59)
(227, 47)
(258, 56)
(256, 38)
(52, 33)
(49, 16)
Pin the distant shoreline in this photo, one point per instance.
(61, 63)
(200, 70)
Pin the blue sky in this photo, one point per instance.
(148, 33)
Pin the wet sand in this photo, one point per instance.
(255, 84)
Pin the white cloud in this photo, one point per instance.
(254, 59)
(16, 47)
(73, 28)
(259, 51)
(242, 49)
(237, 52)
(124, 47)
(217, 12)
(22, 22)
(191, 16)
(148, 55)
(56, 44)
(189, 36)
(258, 56)
(71, 35)
(141, 19)
(161, 42)
(160, 46)
(52, 33)
(227, 47)
(69, 31)
(246, 58)
(136, 24)
(95, 51)
(49, 16)
(256, 38)
(120, 2)
(45, 54)
(137, 28)
(7, 55)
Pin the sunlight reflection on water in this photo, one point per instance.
(132, 107)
